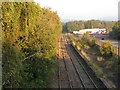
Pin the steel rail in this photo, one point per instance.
(77, 72)
(84, 71)
(67, 69)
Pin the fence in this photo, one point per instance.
(117, 50)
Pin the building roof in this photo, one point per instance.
(95, 29)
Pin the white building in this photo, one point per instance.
(91, 31)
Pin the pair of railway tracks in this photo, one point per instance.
(71, 72)
(86, 80)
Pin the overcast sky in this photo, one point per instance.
(83, 9)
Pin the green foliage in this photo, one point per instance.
(115, 33)
(85, 42)
(80, 43)
(98, 70)
(27, 29)
(78, 25)
(106, 49)
(114, 63)
(12, 66)
(91, 42)
(84, 38)
(39, 72)
(86, 46)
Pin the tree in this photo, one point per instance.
(78, 25)
(27, 29)
(115, 33)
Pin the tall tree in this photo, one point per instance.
(27, 29)
(115, 33)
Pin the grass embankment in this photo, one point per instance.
(101, 58)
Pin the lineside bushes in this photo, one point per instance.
(103, 51)
(80, 45)
(106, 49)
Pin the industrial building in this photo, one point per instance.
(90, 31)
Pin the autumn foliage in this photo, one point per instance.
(26, 29)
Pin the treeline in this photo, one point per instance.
(26, 29)
(115, 33)
(78, 25)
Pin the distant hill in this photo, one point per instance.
(78, 25)
(101, 18)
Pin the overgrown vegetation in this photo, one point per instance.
(114, 63)
(91, 42)
(27, 29)
(82, 44)
(106, 49)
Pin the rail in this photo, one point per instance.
(85, 73)
(86, 61)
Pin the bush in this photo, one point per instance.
(86, 46)
(84, 38)
(114, 62)
(92, 42)
(98, 70)
(100, 58)
(106, 49)
(12, 66)
(78, 45)
(73, 42)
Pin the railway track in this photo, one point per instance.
(98, 82)
(64, 78)
(71, 72)
(83, 75)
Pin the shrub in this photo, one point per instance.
(98, 70)
(73, 43)
(78, 45)
(86, 46)
(114, 62)
(92, 42)
(85, 36)
(100, 58)
(106, 49)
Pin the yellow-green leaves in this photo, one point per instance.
(27, 29)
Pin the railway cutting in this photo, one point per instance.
(72, 71)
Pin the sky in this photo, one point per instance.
(83, 9)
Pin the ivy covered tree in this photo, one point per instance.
(27, 29)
